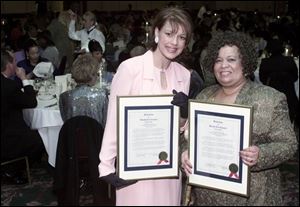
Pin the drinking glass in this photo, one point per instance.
(58, 90)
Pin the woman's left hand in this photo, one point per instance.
(250, 155)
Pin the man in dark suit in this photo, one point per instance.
(17, 139)
(281, 72)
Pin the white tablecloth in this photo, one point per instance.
(48, 122)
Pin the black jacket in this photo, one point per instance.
(280, 72)
(80, 138)
(13, 100)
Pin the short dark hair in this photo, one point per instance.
(46, 35)
(29, 44)
(275, 47)
(94, 45)
(243, 42)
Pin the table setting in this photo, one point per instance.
(46, 117)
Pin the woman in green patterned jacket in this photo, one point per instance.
(232, 58)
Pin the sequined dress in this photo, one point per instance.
(84, 100)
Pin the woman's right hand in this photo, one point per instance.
(185, 163)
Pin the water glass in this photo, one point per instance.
(58, 90)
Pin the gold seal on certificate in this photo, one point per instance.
(148, 137)
(217, 133)
(162, 157)
(233, 168)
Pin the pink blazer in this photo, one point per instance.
(136, 76)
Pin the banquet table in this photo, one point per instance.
(46, 118)
(48, 122)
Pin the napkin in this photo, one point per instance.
(63, 81)
(43, 69)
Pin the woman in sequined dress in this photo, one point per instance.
(84, 99)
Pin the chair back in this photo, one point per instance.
(79, 138)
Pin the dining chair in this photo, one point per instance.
(77, 156)
(25, 158)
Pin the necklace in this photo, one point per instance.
(163, 79)
(231, 93)
(224, 96)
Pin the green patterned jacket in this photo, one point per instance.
(274, 135)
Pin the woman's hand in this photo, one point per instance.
(185, 163)
(250, 155)
(181, 100)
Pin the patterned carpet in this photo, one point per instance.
(290, 181)
(40, 192)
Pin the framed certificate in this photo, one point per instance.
(216, 135)
(148, 137)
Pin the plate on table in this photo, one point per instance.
(47, 103)
(46, 97)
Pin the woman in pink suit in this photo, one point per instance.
(153, 73)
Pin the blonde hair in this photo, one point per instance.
(84, 69)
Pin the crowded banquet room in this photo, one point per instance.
(209, 114)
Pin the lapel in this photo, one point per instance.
(178, 75)
(149, 85)
(244, 92)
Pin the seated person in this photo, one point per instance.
(17, 139)
(84, 99)
(104, 65)
(31, 60)
(33, 57)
